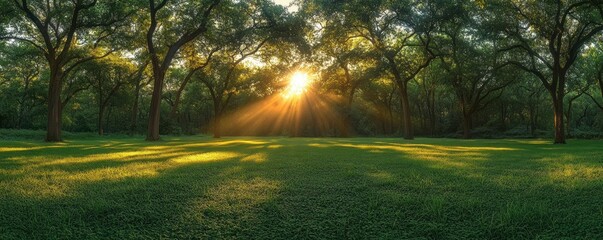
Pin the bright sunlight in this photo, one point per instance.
(298, 85)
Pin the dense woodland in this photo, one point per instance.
(463, 68)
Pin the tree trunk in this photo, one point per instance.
(348, 127)
(134, 116)
(101, 115)
(20, 113)
(53, 127)
(532, 121)
(217, 130)
(467, 125)
(154, 112)
(217, 119)
(559, 126)
(108, 117)
(390, 111)
(568, 120)
(22, 102)
(178, 96)
(431, 112)
(406, 117)
(101, 110)
(503, 117)
(390, 114)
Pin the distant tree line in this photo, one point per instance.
(463, 68)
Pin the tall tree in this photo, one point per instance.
(398, 33)
(247, 28)
(548, 39)
(181, 23)
(109, 76)
(67, 34)
(344, 61)
(195, 61)
(591, 67)
(470, 60)
(21, 69)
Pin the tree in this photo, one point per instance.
(591, 67)
(194, 63)
(381, 93)
(20, 85)
(548, 37)
(182, 22)
(107, 77)
(470, 60)
(430, 90)
(345, 63)
(247, 29)
(67, 34)
(397, 33)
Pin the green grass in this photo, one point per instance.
(275, 188)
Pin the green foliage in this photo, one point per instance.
(453, 60)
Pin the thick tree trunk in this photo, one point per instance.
(101, 115)
(406, 115)
(348, 128)
(53, 127)
(217, 119)
(217, 127)
(406, 119)
(154, 112)
(467, 125)
(559, 126)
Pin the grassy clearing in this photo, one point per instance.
(197, 187)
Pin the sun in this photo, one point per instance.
(298, 85)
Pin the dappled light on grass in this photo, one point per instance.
(576, 172)
(60, 183)
(220, 143)
(256, 157)
(269, 187)
(206, 157)
(58, 172)
(457, 156)
(13, 149)
(234, 198)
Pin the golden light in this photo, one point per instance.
(298, 85)
(297, 111)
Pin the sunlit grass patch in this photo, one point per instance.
(206, 157)
(194, 187)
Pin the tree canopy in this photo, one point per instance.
(488, 68)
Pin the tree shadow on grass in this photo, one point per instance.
(304, 188)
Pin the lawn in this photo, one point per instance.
(278, 188)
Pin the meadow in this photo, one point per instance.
(301, 188)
